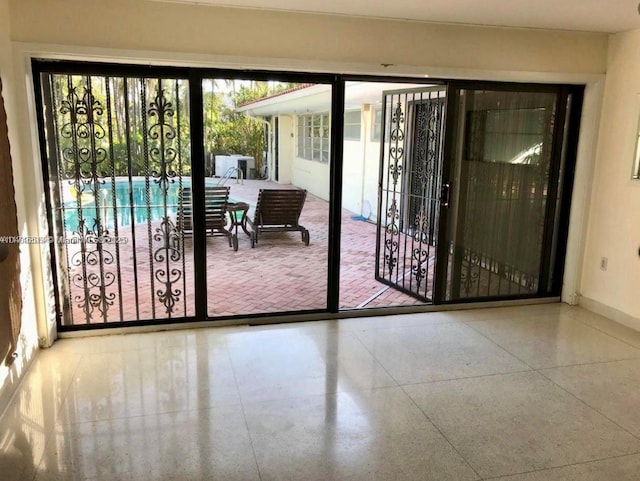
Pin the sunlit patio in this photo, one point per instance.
(280, 274)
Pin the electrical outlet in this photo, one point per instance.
(604, 262)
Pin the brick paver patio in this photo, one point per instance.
(281, 274)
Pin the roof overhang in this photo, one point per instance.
(317, 98)
(314, 98)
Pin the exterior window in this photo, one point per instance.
(352, 127)
(377, 124)
(314, 137)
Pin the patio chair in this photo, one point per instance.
(215, 204)
(278, 210)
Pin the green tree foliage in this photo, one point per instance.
(231, 132)
(123, 122)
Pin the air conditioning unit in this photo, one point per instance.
(228, 165)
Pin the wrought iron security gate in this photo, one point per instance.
(410, 187)
(117, 158)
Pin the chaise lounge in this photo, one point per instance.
(278, 210)
(216, 199)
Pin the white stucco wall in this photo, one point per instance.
(353, 175)
(311, 175)
(371, 177)
(614, 221)
(361, 169)
(286, 148)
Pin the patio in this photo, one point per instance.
(281, 274)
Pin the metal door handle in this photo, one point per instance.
(444, 194)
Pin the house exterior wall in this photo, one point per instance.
(312, 176)
(306, 174)
(353, 175)
(361, 168)
(614, 220)
(371, 168)
(287, 148)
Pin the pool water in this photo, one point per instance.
(126, 212)
(101, 205)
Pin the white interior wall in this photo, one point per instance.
(171, 27)
(28, 342)
(614, 221)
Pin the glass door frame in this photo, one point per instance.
(195, 76)
(561, 177)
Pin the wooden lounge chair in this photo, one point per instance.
(215, 202)
(278, 210)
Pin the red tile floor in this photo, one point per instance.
(280, 274)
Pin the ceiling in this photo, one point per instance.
(608, 16)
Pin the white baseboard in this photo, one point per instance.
(610, 313)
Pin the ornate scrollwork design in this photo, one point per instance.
(168, 237)
(161, 135)
(93, 285)
(427, 145)
(395, 169)
(164, 159)
(470, 275)
(396, 148)
(169, 296)
(419, 270)
(397, 121)
(420, 256)
(434, 122)
(393, 214)
(392, 232)
(82, 141)
(82, 152)
(390, 256)
(420, 226)
(422, 138)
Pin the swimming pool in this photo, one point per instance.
(131, 205)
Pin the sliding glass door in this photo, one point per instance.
(506, 150)
(267, 150)
(117, 156)
(180, 194)
(174, 195)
